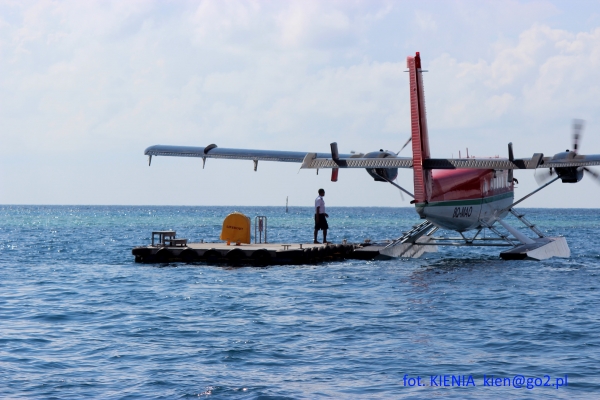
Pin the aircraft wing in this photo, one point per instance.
(326, 160)
(537, 161)
(483, 163)
(213, 151)
(308, 160)
(576, 161)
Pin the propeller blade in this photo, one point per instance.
(334, 174)
(401, 195)
(593, 173)
(543, 177)
(577, 128)
(405, 144)
(335, 155)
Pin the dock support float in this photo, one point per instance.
(248, 254)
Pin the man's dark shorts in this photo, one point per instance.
(322, 224)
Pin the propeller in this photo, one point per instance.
(577, 128)
(335, 156)
(401, 195)
(578, 125)
(593, 173)
(544, 176)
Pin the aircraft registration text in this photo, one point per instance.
(461, 212)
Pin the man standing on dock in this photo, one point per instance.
(321, 217)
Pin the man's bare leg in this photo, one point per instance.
(316, 232)
(324, 235)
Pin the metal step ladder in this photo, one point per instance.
(521, 217)
(415, 233)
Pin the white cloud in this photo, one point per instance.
(108, 79)
(547, 72)
(425, 21)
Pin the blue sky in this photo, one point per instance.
(87, 86)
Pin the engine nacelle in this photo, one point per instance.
(569, 174)
(379, 173)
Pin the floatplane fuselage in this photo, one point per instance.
(461, 199)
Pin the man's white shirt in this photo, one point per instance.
(319, 202)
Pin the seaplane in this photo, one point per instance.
(466, 195)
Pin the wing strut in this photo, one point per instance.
(398, 186)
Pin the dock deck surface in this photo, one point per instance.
(254, 246)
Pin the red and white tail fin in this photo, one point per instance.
(420, 139)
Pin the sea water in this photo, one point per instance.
(80, 319)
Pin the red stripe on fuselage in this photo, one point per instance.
(468, 184)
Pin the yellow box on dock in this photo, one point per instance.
(236, 228)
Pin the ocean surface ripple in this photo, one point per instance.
(79, 319)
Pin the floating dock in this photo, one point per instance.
(244, 254)
(165, 247)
